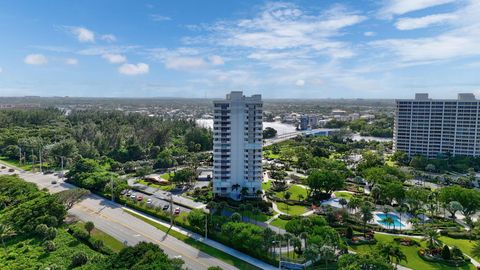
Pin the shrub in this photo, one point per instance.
(285, 217)
(49, 246)
(41, 230)
(446, 255)
(80, 234)
(12, 256)
(51, 234)
(97, 244)
(349, 233)
(457, 253)
(79, 259)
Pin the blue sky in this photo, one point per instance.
(294, 49)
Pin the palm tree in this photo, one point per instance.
(476, 249)
(259, 193)
(431, 237)
(354, 203)
(304, 236)
(389, 220)
(5, 232)
(402, 208)
(288, 237)
(255, 213)
(398, 255)
(327, 252)
(279, 239)
(366, 214)
(343, 202)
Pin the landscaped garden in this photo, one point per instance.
(413, 260)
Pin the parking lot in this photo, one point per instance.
(155, 200)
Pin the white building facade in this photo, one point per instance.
(432, 127)
(237, 145)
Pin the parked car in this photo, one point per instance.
(123, 192)
(149, 201)
(3, 167)
(165, 207)
(177, 211)
(54, 182)
(48, 172)
(129, 192)
(133, 196)
(11, 170)
(139, 197)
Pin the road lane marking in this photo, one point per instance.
(153, 239)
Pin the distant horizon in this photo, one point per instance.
(367, 49)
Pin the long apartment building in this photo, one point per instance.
(237, 145)
(436, 127)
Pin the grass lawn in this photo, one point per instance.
(24, 252)
(413, 260)
(294, 210)
(162, 187)
(15, 163)
(269, 154)
(280, 223)
(295, 192)
(262, 217)
(166, 176)
(463, 244)
(341, 194)
(266, 185)
(107, 239)
(199, 245)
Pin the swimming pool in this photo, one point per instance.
(396, 221)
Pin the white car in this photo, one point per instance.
(133, 196)
(149, 201)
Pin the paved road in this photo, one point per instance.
(110, 218)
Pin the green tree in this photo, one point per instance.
(5, 232)
(324, 181)
(269, 133)
(70, 197)
(196, 218)
(366, 213)
(89, 226)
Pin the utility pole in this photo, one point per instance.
(33, 161)
(62, 167)
(111, 186)
(171, 209)
(40, 157)
(20, 158)
(206, 227)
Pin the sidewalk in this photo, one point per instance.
(256, 262)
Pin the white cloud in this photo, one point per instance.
(114, 58)
(462, 39)
(35, 59)
(71, 61)
(1, 69)
(83, 34)
(369, 34)
(134, 69)
(159, 18)
(282, 26)
(216, 60)
(184, 63)
(300, 83)
(398, 7)
(109, 38)
(422, 22)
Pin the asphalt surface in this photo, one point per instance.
(110, 218)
